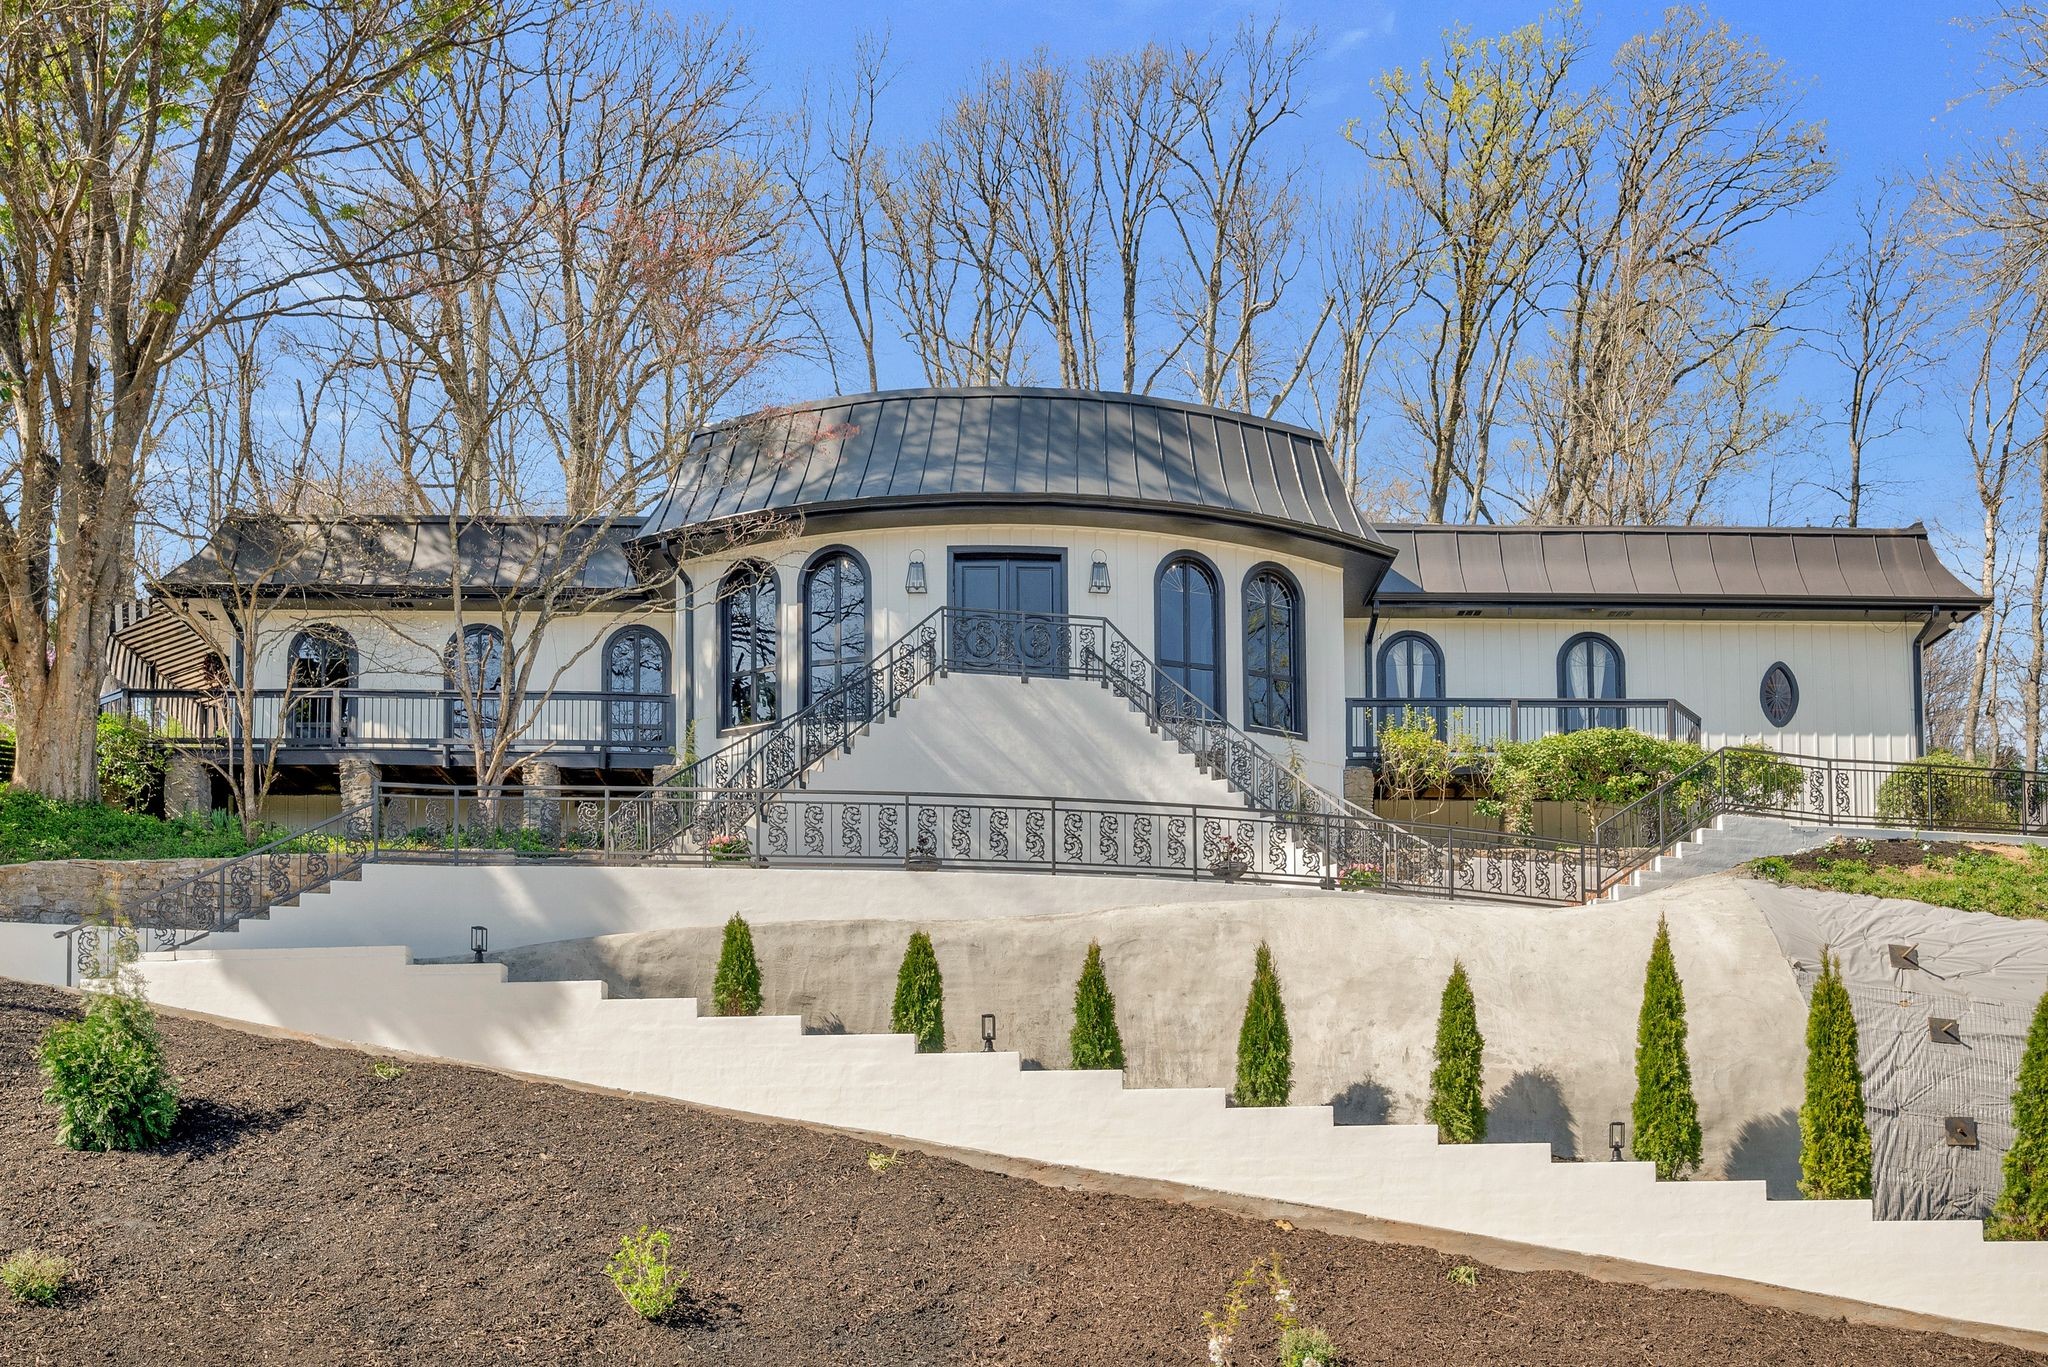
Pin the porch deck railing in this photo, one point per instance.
(1490, 721)
(343, 719)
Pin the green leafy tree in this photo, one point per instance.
(1457, 1094)
(1095, 1041)
(2023, 1206)
(1666, 1115)
(737, 989)
(920, 1007)
(1834, 1140)
(1265, 1051)
(106, 1072)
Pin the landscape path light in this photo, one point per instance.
(1617, 1136)
(988, 1032)
(479, 941)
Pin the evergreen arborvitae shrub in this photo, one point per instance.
(920, 1007)
(106, 1071)
(1834, 1139)
(1457, 1094)
(737, 989)
(1666, 1116)
(1095, 1042)
(2022, 1209)
(1265, 1052)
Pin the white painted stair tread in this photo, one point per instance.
(988, 1102)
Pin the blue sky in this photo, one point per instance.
(1885, 75)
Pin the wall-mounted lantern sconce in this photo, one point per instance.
(988, 1033)
(479, 941)
(913, 582)
(1098, 574)
(1617, 1136)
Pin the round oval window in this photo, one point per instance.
(1780, 695)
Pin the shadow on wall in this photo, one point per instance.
(1767, 1150)
(1531, 1109)
(1364, 1102)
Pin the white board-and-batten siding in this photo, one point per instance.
(1855, 678)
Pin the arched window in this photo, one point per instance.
(475, 671)
(748, 599)
(835, 589)
(1411, 666)
(636, 669)
(321, 661)
(1188, 628)
(1272, 652)
(1590, 666)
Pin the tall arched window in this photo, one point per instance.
(321, 661)
(476, 674)
(636, 678)
(1590, 666)
(1411, 666)
(1188, 628)
(1272, 652)
(835, 589)
(748, 599)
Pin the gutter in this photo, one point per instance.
(1927, 636)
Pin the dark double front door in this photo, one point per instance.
(1008, 610)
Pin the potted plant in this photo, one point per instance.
(1359, 877)
(728, 849)
(1232, 860)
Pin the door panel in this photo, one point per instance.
(1023, 597)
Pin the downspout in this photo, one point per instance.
(1920, 644)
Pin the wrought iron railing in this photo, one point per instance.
(1012, 832)
(1483, 722)
(219, 898)
(405, 719)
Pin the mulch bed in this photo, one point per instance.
(1896, 854)
(308, 1212)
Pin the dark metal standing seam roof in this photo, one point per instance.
(1021, 445)
(1698, 566)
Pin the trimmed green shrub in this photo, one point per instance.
(36, 827)
(1943, 791)
(1265, 1051)
(34, 1278)
(1095, 1041)
(1457, 1094)
(1591, 768)
(2022, 1208)
(920, 1006)
(1834, 1140)
(106, 1071)
(1304, 1345)
(642, 1272)
(736, 991)
(1666, 1115)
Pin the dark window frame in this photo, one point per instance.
(803, 595)
(755, 574)
(1763, 694)
(1379, 673)
(456, 655)
(1585, 718)
(1220, 668)
(1297, 674)
(633, 727)
(312, 719)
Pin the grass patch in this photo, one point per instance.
(33, 827)
(35, 1278)
(2003, 880)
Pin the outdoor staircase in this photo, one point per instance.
(1729, 843)
(987, 1103)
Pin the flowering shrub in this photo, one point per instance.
(1359, 877)
(728, 847)
(1230, 851)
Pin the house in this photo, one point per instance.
(1037, 543)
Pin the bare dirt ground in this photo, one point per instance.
(309, 1212)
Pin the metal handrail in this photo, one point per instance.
(1503, 719)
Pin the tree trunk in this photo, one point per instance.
(56, 737)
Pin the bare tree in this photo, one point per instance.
(1476, 143)
(1139, 112)
(135, 141)
(1368, 264)
(1881, 307)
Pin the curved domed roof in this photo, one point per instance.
(922, 451)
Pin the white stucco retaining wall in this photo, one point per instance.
(985, 1103)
